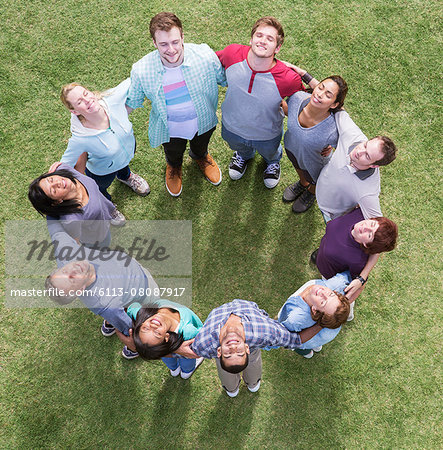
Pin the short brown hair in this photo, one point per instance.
(338, 318)
(164, 21)
(385, 238)
(271, 22)
(389, 151)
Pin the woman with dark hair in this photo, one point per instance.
(311, 134)
(100, 127)
(159, 330)
(350, 239)
(75, 200)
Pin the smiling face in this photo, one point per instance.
(364, 231)
(322, 299)
(155, 329)
(58, 188)
(75, 276)
(365, 154)
(170, 46)
(233, 348)
(264, 42)
(324, 95)
(83, 101)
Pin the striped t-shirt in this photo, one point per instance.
(182, 117)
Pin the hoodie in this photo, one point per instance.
(108, 150)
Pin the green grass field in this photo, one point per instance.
(378, 385)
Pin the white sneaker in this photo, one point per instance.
(117, 218)
(255, 388)
(233, 394)
(309, 355)
(186, 375)
(138, 184)
(176, 372)
(318, 349)
(351, 313)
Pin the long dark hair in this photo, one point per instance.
(153, 351)
(342, 91)
(46, 205)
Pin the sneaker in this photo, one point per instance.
(210, 169)
(293, 191)
(351, 312)
(271, 175)
(309, 355)
(313, 257)
(138, 184)
(317, 349)
(107, 329)
(233, 393)
(255, 388)
(237, 167)
(129, 354)
(304, 202)
(176, 372)
(117, 218)
(173, 180)
(186, 375)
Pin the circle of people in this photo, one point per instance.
(335, 162)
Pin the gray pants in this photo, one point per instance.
(251, 375)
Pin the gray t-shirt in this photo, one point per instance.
(92, 225)
(340, 188)
(306, 144)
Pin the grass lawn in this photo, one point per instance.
(378, 384)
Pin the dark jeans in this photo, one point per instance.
(104, 181)
(175, 148)
(294, 162)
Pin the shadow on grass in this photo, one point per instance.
(306, 393)
(229, 423)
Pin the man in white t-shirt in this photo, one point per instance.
(181, 81)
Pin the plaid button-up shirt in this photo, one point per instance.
(260, 330)
(202, 72)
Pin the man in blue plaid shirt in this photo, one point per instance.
(234, 333)
(181, 81)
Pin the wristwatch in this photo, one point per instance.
(361, 279)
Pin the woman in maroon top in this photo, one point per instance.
(350, 239)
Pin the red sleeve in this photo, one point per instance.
(287, 80)
(232, 54)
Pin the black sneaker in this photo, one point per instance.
(293, 191)
(303, 203)
(237, 167)
(107, 329)
(271, 175)
(314, 257)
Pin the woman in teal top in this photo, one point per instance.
(159, 330)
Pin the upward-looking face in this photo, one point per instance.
(364, 231)
(233, 348)
(264, 42)
(170, 46)
(365, 154)
(324, 95)
(74, 276)
(58, 188)
(83, 101)
(322, 299)
(154, 330)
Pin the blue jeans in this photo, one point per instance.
(186, 365)
(104, 181)
(270, 150)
